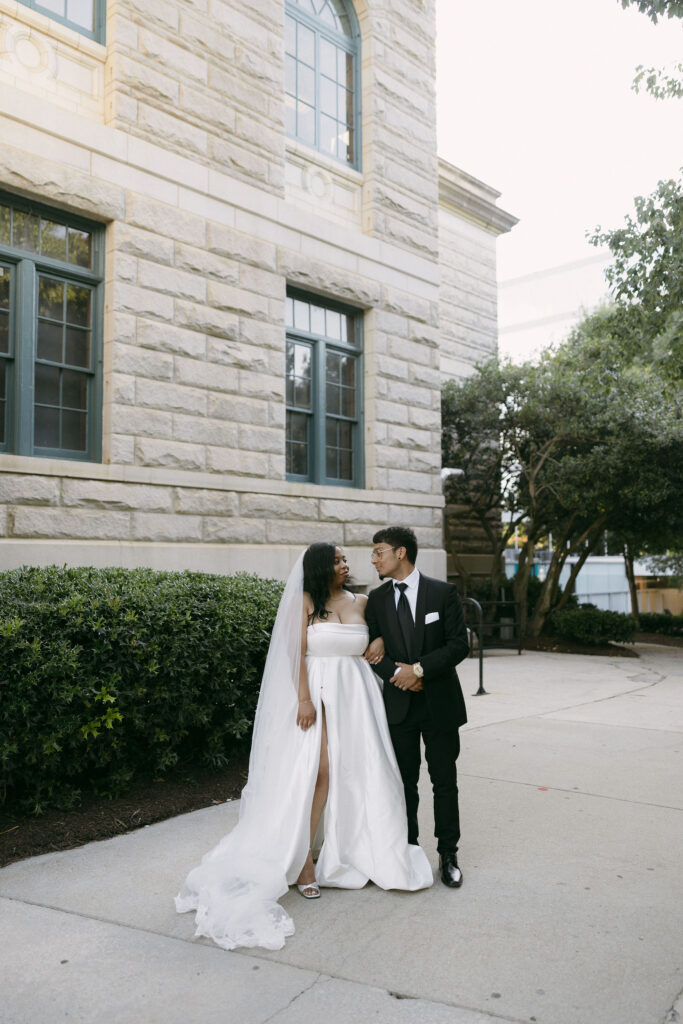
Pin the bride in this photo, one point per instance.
(320, 741)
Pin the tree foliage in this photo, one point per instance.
(583, 441)
(656, 9)
(646, 277)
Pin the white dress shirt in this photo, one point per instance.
(412, 582)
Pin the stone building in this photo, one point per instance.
(232, 274)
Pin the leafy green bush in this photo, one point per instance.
(109, 675)
(591, 626)
(669, 625)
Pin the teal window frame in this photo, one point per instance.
(23, 322)
(99, 18)
(352, 45)
(318, 414)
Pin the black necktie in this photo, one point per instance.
(405, 618)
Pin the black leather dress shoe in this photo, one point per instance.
(451, 875)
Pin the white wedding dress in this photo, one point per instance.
(235, 889)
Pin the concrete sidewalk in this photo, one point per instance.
(571, 911)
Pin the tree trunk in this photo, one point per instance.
(521, 583)
(549, 589)
(591, 541)
(630, 575)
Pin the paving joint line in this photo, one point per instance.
(573, 792)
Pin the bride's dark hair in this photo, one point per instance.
(318, 576)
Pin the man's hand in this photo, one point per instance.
(405, 679)
(375, 651)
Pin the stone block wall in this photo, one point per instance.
(210, 214)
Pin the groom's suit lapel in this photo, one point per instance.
(420, 612)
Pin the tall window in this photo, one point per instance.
(324, 396)
(50, 333)
(85, 16)
(321, 76)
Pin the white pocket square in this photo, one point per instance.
(431, 617)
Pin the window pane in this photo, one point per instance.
(5, 224)
(317, 320)
(348, 371)
(306, 85)
(4, 309)
(290, 75)
(25, 231)
(345, 434)
(306, 45)
(348, 402)
(290, 34)
(301, 319)
(302, 361)
(80, 248)
(53, 239)
(74, 390)
(3, 403)
(331, 433)
(81, 13)
(298, 427)
(331, 457)
(297, 459)
(349, 330)
(46, 427)
(77, 352)
(333, 399)
(333, 324)
(328, 58)
(56, 6)
(290, 115)
(50, 341)
(78, 305)
(51, 298)
(306, 124)
(47, 384)
(74, 431)
(332, 368)
(345, 465)
(4, 332)
(328, 97)
(348, 144)
(328, 135)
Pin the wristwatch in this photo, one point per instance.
(418, 670)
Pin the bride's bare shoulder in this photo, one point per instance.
(362, 600)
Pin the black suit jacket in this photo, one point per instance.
(438, 645)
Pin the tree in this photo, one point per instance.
(646, 278)
(656, 9)
(585, 440)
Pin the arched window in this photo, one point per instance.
(322, 60)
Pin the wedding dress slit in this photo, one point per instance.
(236, 887)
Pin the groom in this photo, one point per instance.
(422, 624)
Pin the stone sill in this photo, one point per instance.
(208, 481)
(44, 25)
(304, 155)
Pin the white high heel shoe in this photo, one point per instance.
(311, 891)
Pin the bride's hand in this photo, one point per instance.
(305, 716)
(375, 651)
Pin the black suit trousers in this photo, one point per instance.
(441, 751)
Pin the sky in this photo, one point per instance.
(534, 98)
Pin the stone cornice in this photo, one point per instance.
(461, 193)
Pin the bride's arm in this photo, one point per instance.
(305, 716)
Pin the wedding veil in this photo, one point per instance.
(236, 887)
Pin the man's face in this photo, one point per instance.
(387, 560)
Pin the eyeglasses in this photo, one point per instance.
(379, 552)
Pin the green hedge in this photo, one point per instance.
(591, 626)
(669, 625)
(110, 675)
